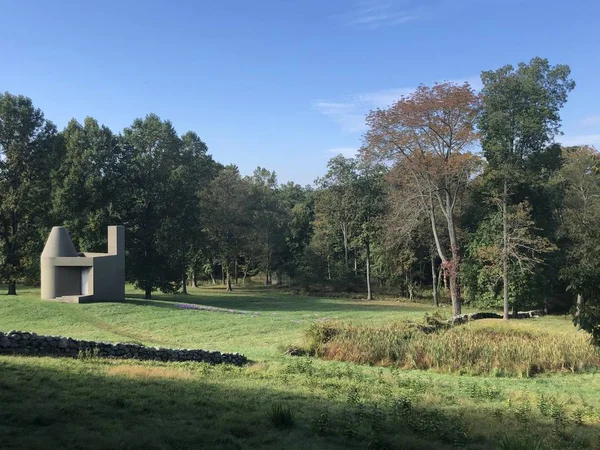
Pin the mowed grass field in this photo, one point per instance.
(50, 403)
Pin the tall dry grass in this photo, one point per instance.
(486, 350)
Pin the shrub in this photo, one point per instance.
(464, 349)
(281, 416)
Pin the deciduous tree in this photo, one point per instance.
(519, 119)
(29, 153)
(429, 133)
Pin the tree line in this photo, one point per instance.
(468, 195)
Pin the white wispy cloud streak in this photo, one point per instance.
(373, 14)
(350, 112)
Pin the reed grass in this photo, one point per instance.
(481, 350)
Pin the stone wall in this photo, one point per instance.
(24, 343)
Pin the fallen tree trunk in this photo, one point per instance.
(464, 318)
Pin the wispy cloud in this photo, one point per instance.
(349, 113)
(371, 14)
(582, 139)
(347, 152)
(591, 121)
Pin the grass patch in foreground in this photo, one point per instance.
(484, 349)
(297, 404)
(92, 404)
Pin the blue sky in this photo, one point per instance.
(282, 84)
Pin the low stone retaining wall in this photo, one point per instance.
(25, 343)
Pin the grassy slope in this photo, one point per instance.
(51, 403)
(281, 319)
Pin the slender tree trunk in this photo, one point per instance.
(148, 292)
(434, 282)
(368, 251)
(345, 236)
(195, 276)
(355, 266)
(235, 271)
(268, 274)
(438, 246)
(328, 268)
(184, 282)
(578, 307)
(223, 274)
(246, 268)
(12, 287)
(505, 249)
(455, 261)
(229, 289)
(456, 309)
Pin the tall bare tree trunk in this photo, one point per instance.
(355, 265)
(12, 287)
(368, 251)
(229, 289)
(455, 261)
(578, 307)
(452, 265)
(268, 274)
(434, 282)
(184, 282)
(505, 249)
(345, 236)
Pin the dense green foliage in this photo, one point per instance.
(514, 225)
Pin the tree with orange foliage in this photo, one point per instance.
(427, 135)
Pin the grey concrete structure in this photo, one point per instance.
(74, 277)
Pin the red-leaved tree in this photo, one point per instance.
(427, 135)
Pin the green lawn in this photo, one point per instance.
(280, 318)
(59, 403)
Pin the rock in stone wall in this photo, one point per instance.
(25, 343)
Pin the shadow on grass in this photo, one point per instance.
(250, 300)
(95, 405)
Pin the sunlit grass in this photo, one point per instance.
(92, 403)
(487, 348)
(280, 321)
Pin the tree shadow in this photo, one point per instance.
(47, 404)
(265, 301)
